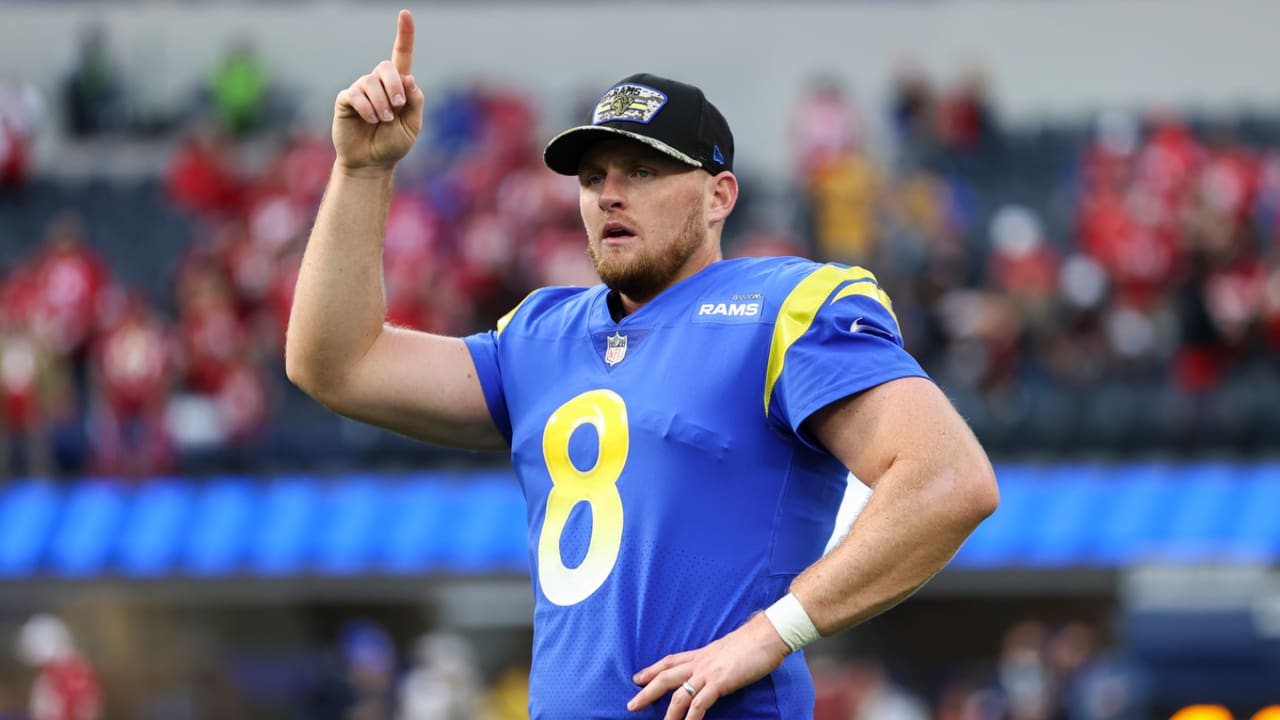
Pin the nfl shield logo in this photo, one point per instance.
(615, 349)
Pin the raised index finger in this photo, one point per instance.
(402, 51)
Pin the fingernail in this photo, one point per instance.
(635, 678)
(387, 116)
(398, 99)
(631, 705)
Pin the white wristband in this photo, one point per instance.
(792, 622)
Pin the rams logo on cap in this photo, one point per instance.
(629, 102)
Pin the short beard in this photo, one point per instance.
(656, 268)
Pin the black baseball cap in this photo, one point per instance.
(669, 116)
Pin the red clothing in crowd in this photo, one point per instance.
(211, 336)
(67, 283)
(211, 332)
(243, 404)
(19, 382)
(134, 371)
(305, 166)
(1139, 257)
(15, 156)
(134, 366)
(21, 108)
(1229, 182)
(1169, 161)
(1033, 274)
(17, 365)
(200, 179)
(66, 689)
(507, 134)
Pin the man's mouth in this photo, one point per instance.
(614, 233)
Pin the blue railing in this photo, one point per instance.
(1051, 516)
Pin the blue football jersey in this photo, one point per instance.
(672, 490)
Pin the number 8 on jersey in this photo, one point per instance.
(597, 486)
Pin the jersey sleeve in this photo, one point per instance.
(484, 353)
(835, 335)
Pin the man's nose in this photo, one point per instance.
(612, 192)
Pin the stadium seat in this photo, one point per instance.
(291, 513)
(1198, 526)
(1140, 496)
(490, 535)
(224, 520)
(419, 515)
(1073, 497)
(154, 525)
(1253, 532)
(28, 511)
(354, 512)
(85, 535)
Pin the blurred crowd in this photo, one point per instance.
(1113, 287)
(440, 679)
(65, 684)
(99, 377)
(361, 675)
(1073, 287)
(1043, 671)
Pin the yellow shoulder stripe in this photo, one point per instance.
(870, 289)
(506, 319)
(802, 305)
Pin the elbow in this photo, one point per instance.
(296, 369)
(322, 366)
(965, 492)
(310, 382)
(304, 374)
(990, 496)
(961, 494)
(981, 493)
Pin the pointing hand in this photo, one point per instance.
(378, 117)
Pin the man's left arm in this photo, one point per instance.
(932, 484)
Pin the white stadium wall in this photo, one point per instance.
(1044, 57)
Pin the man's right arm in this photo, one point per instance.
(338, 348)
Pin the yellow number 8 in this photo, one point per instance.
(597, 487)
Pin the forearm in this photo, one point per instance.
(339, 303)
(913, 524)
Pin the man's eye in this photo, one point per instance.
(592, 179)
(644, 172)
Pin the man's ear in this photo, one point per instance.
(724, 195)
